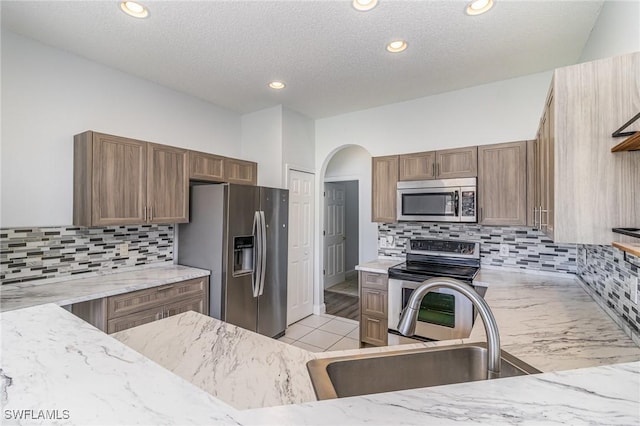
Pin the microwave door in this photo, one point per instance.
(429, 205)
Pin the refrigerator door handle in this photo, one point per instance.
(255, 278)
(263, 251)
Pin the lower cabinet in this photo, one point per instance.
(123, 311)
(373, 308)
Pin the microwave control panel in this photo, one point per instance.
(468, 203)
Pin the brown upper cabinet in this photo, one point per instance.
(544, 170)
(583, 190)
(445, 164)
(502, 184)
(384, 182)
(215, 168)
(121, 181)
(167, 184)
(240, 171)
(206, 167)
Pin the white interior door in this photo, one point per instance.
(300, 268)
(334, 236)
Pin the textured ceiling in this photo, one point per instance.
(331, 56)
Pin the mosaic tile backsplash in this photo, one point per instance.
(31, 254)
(605, 271)
(528, 248)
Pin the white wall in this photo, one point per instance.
(351, 225)
(354, 163)
(262, 143)
(617, 31)
(505, 111)
(275, 138)
(49, 95)
(298, 140)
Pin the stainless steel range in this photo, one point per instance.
(444, 314)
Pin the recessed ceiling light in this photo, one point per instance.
(476, 7)
(134, 9)
(364, 5)
(277, 85)
(397, 46)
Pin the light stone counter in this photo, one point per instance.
(550, 322)
(380, 265)
(242, 368)
(54, 364)
(52, 360)
(67, 292)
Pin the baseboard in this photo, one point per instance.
(319, 309)
(351, 274)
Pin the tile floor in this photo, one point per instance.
(322, 333)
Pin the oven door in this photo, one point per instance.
(444, 313)
(429, 204)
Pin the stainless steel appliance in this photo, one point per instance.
(446, 200)
(444, 313)
(239, 233)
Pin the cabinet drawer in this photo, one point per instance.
(374, 302)
(183, 290)
(196, 304)
(136, 301)
(373, 330)
(373, 280)
(134, 319)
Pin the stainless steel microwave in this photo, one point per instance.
(446, 200)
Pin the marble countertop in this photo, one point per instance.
(242, 368)
(380, 265)
(53, 360)
(67, 292)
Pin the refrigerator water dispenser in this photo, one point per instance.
(243, 255)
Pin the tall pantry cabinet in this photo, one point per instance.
(582, 189)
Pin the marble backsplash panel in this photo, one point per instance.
(31, 254)
(605, 271)
(528, 247)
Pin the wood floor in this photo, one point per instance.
(342, 305)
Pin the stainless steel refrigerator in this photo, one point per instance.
(239, 233)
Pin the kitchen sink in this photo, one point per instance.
(365, 374)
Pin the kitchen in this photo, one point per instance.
(45, 85)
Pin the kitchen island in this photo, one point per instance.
(53, 360)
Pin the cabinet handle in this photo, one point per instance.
(150, 214)
(438, 169)
(546, 212)
(145, 213)
(535, 212)
(480, 214)
(433, 169)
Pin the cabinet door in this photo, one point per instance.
(384, 187)
(135, 319)
(135, 301)
(373, 330)
(419, 166)
(196, 304)
(550, 167)
(502, 184)
(239, 171)
(119, 180)
(457, 163)
(374, 303)
(167, 184)
(206, 167)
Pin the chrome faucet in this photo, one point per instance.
(409, 316)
